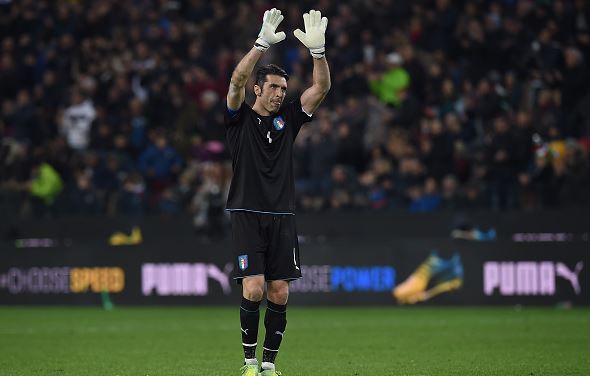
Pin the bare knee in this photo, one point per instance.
(253, 288)
(278, 292)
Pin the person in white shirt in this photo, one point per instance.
(77, 120)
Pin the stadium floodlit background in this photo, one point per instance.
(443, 188)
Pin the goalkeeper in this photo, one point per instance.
(261, 199)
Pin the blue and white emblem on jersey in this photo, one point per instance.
(243, 262)
(279, 123)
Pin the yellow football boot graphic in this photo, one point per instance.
(120, 238)
(433, 277)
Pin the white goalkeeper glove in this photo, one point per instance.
(314, 37)
(267, 36)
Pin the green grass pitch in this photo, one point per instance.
(318, 341)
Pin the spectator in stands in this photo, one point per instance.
(160, 163)
(389, 84)
(83, 197)
(322, 150)
(438, 150)
(449, 192)
(343, 188)
(575, 86)
(131, 200)
(576, 181)
(501, 161)
(77, 120)
(544, 181)
(426, 198)
(209, 199)
(349, 148)
(44, 187)
(411, 174)
(24, 120)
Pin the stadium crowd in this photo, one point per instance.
(117, 106)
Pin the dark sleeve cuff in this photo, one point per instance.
(231, 113)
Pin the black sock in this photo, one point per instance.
(249, 316)
(275, 321)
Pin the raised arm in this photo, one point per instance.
(315, 94)
(314, 38)
(266, 37)
(239, 78)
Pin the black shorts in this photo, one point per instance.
(265, 244)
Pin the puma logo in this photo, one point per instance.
(572, 276)
(279, 333)
(259, 121)
(244, 330)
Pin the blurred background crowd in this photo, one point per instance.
(116, 107)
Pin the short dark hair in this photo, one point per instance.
(262, 72)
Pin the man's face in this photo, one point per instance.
(273, 92)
